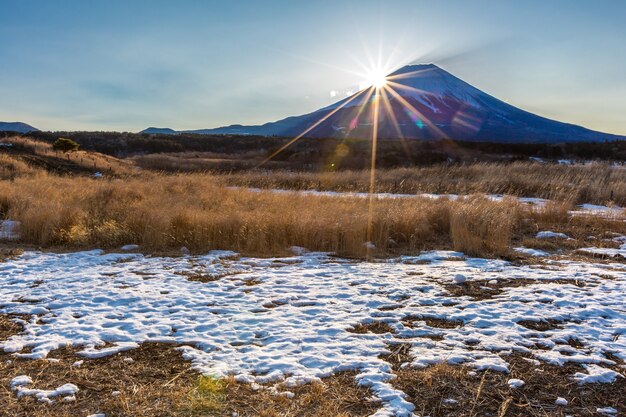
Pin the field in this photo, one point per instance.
(131, 287)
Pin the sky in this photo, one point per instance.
(127, 65)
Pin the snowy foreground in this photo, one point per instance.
(288, 319)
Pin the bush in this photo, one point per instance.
(65, 145)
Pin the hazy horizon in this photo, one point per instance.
(72, 65)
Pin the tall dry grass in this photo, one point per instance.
(162, 212)
(594, 183)
(11, 167)
(478, 227)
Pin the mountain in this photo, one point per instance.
(159, 131)
(427, 102)
(17, 127)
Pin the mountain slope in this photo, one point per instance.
(427, 102)
(17, 127)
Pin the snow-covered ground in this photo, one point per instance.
(288, 319)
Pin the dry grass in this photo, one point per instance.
(165, 212)
(479, 227)
(29, 157)
(578, 184)
(488, 393)
(12, 167)
(160, 212)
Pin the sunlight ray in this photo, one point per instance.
(408, 105)
(408, 88)
(394, 122)
(372, 188)
(310, 128)
(411, 74)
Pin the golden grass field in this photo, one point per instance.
(166, 211)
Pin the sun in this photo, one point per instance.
(374, 78)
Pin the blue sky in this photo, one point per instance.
(126, 65)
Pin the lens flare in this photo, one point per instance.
(376, 78)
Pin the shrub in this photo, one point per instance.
(65, 145)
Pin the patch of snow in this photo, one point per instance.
(66, 390)
(550, 235)
(131, 247)
(515, 383)
(459, 279)
(20, 381)
(611, 212)
(607, 411)
(596, 374)
(561, 401)
(9, 230)
(611, 252)
(531, 252)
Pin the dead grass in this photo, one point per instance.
(8, 326)
(29, 157)
(435, 322)
(488, 394)
(167, 212)
(479, 227)
(376, 327)
(163, 213)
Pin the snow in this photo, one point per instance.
(596, 374)
(459, 279)
(611, 212)
(19, 383)
(128, 248)
(561, 401)
(547, 234)
(9, 230)
(104, 303)
(515, 383)
(531, 252)
(611, 252)
(608, 411)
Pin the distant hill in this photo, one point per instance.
(159, 131)
(17, 127)
(424, 102)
